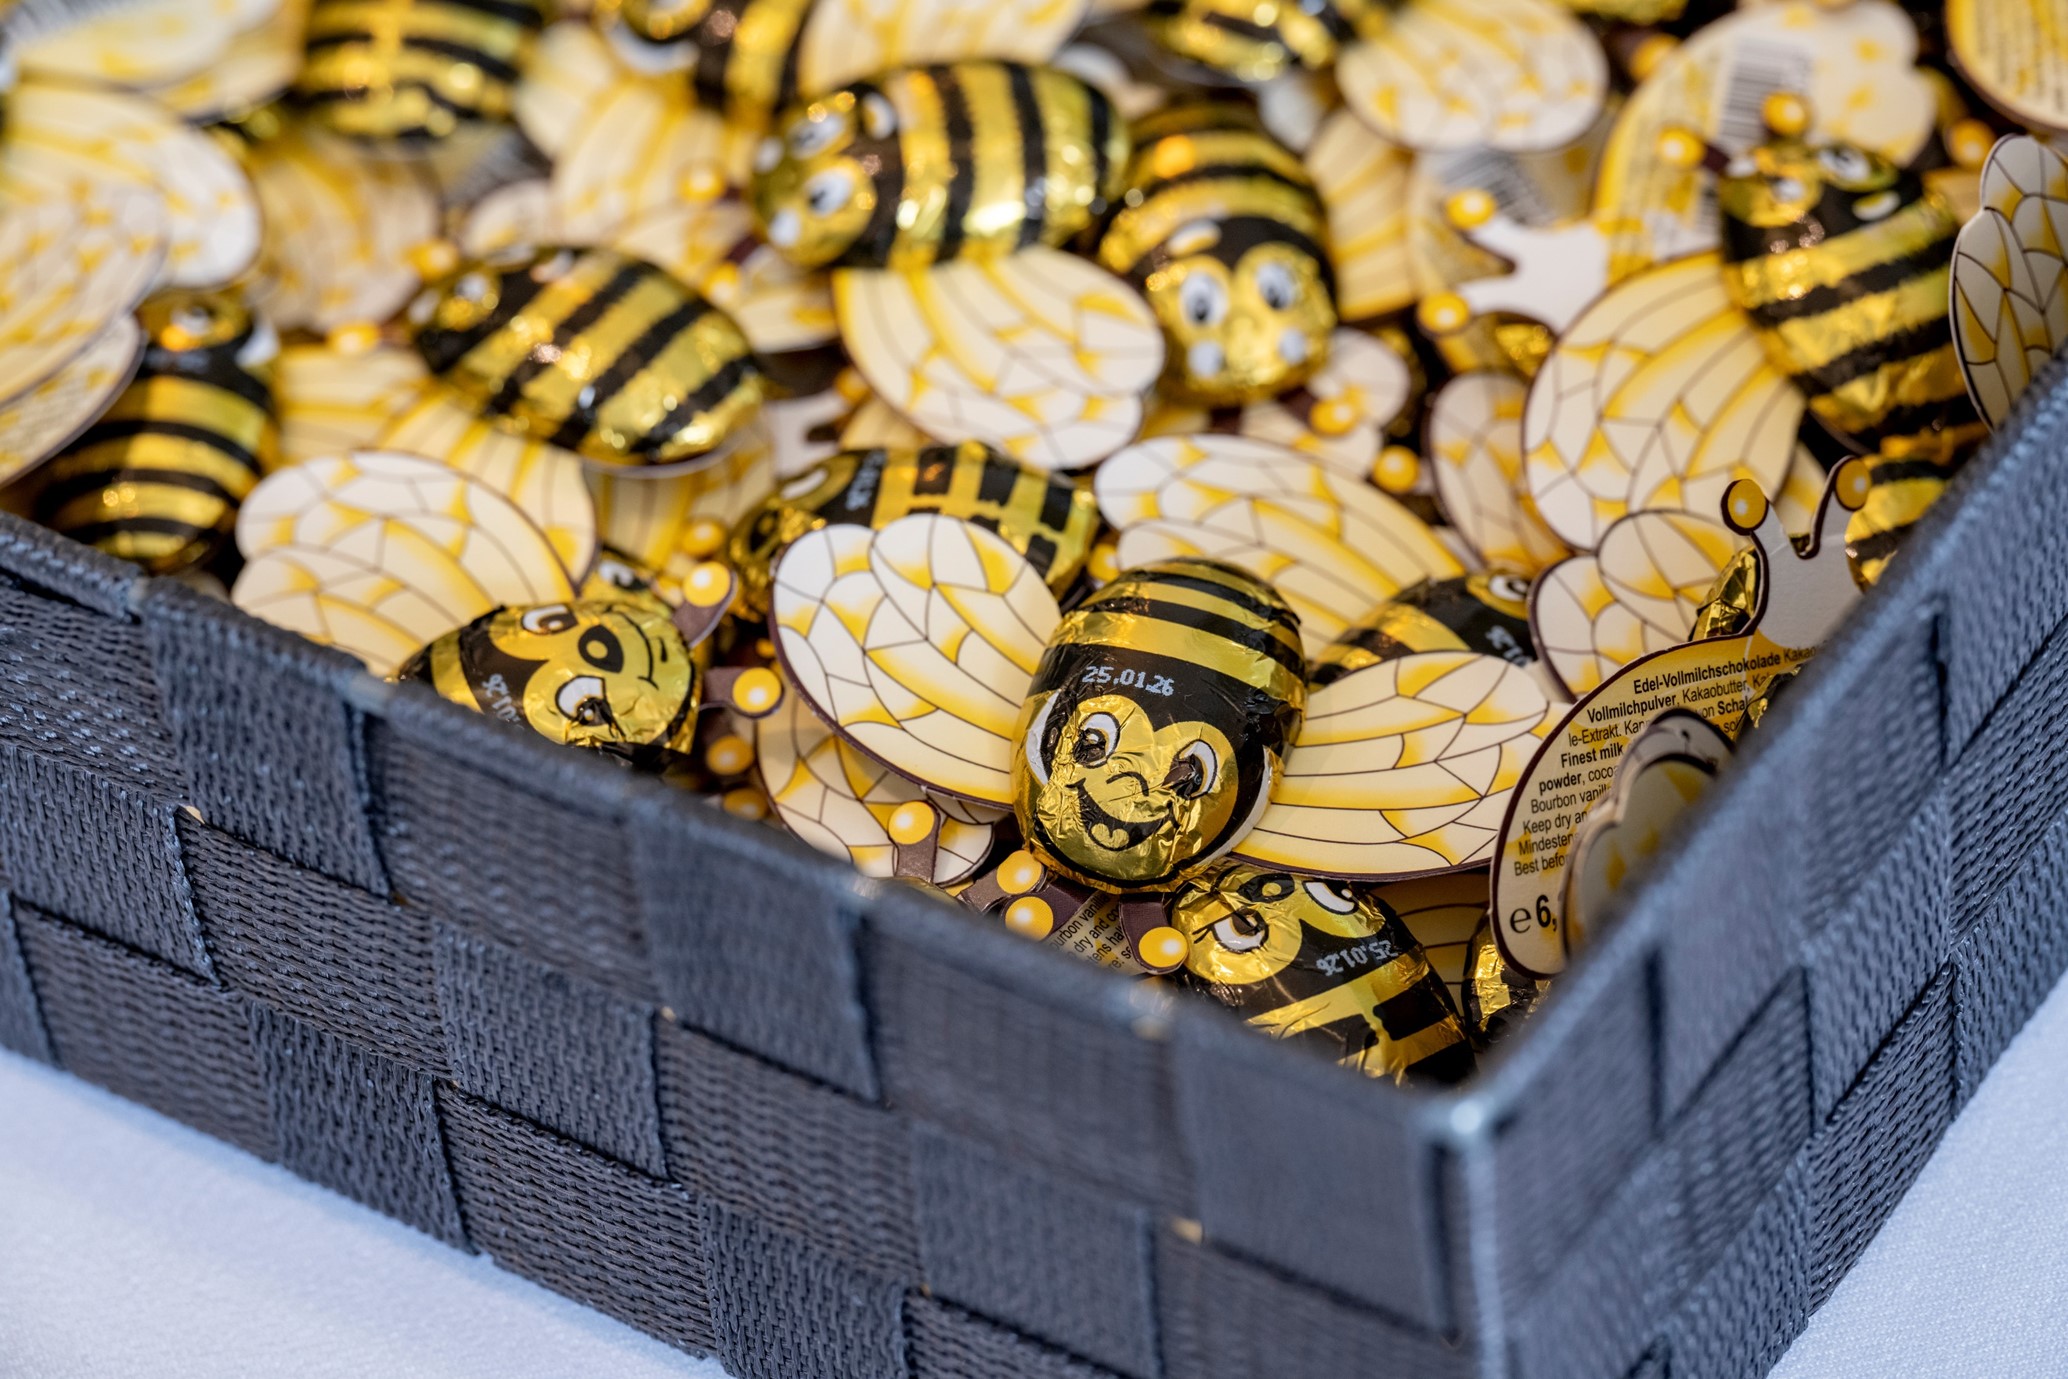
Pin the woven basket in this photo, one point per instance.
(690, 1073)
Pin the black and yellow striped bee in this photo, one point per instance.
(1222, 231)
(1842, 262)
(1324, 963)
(929, 164)
(1046, 518)
(413, 72)
(1253, 43)
(591, 350)
(1156, 722)
(1487, 613)
(157, 480)
(742, 55)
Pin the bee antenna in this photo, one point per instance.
(1682, 147)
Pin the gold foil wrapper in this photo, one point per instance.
(1319, 961)
(1497, 997)
(609, 674)
(1162, 707)
(1047, 518)
(1486, 613)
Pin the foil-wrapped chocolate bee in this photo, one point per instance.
(1325, 963)
(590, 350)
(1163, 722)
(412, 73)
(1047, 518)
(616, 675)
(1486, 613)
(158, 478)
(927, 164)
(1221, 229)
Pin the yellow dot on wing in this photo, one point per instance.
(1020, 873)
(757, 691)
(1030, 917)
(910, 822)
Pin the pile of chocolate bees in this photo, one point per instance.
(1292, 498)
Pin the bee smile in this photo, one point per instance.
(1114, 835)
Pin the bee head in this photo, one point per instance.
(184, 328)
(610, 673)
(815, 178)
(1246, 923)
(1787, 195)
(1247, 315)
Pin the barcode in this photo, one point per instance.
(1498, 175)
(1758, 68)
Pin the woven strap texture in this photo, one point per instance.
(686, 1071)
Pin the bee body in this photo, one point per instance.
(1842, 264)
(1320, 962)
(926, 165)
(1045, 517)
(158, 479)
(741, 55)
(1157, 719)
(593, 351)
(1232, 38)
(414, 71)
(1486, 613)
(1223, 232)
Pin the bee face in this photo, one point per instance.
(1133, 801)
(1238, 334)
(1784, 184)
(815, 179)
(606, 673)
(1246, 923)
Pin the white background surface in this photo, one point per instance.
(132, 1246)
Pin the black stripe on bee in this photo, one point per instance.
(1919, 339)
(444, 348)
(1101, 110)
(1877, 546)
(571, 325)
(996, 479)
(129, 428)
(1227, 593)
(1262, 640)
(1876, 278)
(512, 10)
(1916, 419)
(1418, 1008)
(962, 183)
(1214, 171)
(72, 486)
(1242, 233)
(627, 366)
(1055, 505)
(1033, 151)
(1885, 472)
(717, 386)
(444, 47)
(887, 170)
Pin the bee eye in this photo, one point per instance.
(1095, 740)
(1194, 772)
(581, 701)
(1331, 896)
(1276, 286)
(808, 137)
(829, 191)
(1846, 164)
(1203, 299)
(547, 619)
(600, 648)
(1269, 888)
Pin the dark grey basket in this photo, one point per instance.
(690, 1073)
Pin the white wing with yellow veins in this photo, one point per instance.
(544, 481)
(143, 43)
(841, 801)
(571, 70)
(60, 137)
(1363, 181)
(2010, 265)
(917, 643)
(847, 40)
(1475, 455)
(643, 147)
(1659, 396)
(1039, 353)
(1594, 614)
(340, 225)
(379, 553)
(1507, 74)
(74, 269)
(1334, 547)
(647, 517)
(40, 422)
(1403, 768)
(330, 401)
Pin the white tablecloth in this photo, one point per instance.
(132, 1246)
